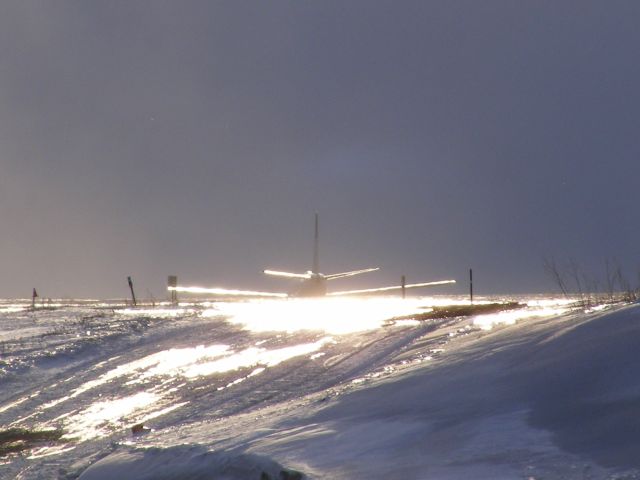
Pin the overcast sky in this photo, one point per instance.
(198, 139)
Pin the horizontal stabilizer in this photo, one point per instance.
(388, 289)
(277, 273)
(226, 292)
(350, 274)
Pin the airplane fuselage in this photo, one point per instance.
(315, 286)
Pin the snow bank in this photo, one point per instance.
(186, 462)
(558, 399)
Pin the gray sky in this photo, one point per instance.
(198, 138)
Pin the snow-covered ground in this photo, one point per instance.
(331, 388)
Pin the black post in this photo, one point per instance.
(34, 295)
(133, 295)
(471, 285)
(172, 282)
(404, 282)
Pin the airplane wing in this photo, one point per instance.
(226, 292)
(277, 273)
(388, 289)
(349, 274)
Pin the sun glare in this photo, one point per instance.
(336, 316)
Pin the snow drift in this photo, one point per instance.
(182, 462)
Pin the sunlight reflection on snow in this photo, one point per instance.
(198, 361)
(13, 309)
(161, 374)
(333, 315)
(14, 404)
(188, 363)
(177, 361)
(253, 356)
(550, 302)
(157, 312)
(166, 362)
(96, 419)
(487, 322)
(48, 451)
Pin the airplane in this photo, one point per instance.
(312, 282)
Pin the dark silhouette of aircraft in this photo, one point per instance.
(311, 283)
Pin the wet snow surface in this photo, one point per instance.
(333, 389)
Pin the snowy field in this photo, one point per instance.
(330, 388)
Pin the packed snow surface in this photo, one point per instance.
(331, 388)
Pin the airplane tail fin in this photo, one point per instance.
(316, 253)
